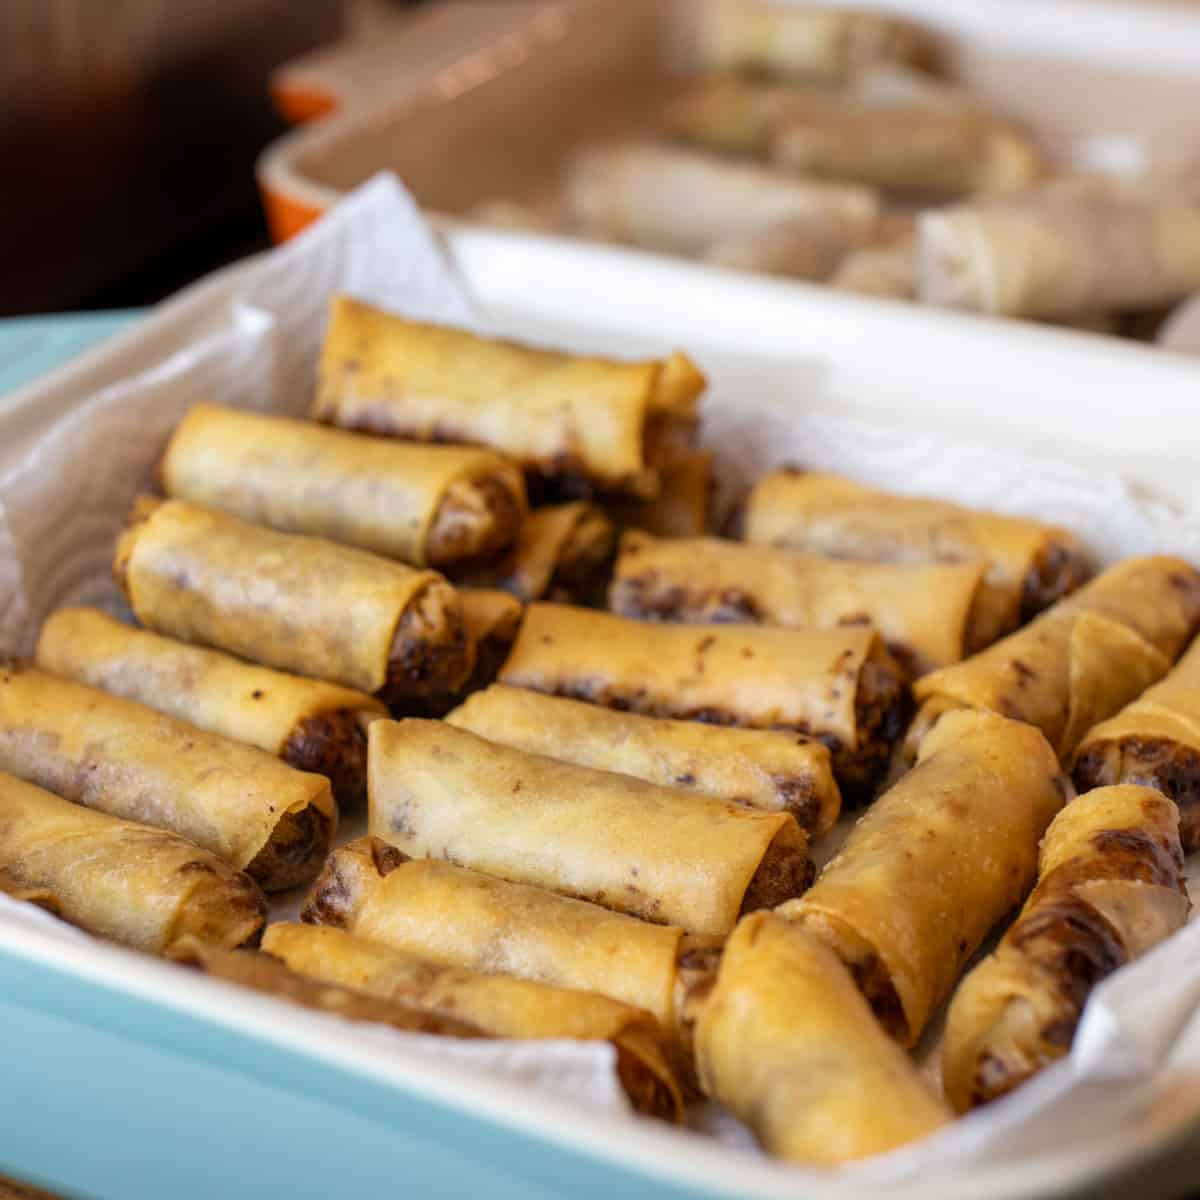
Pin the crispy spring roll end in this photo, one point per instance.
(339, 889)
(1168, 766)
(430, 652)
(333, 744)
(477, 517)
(298, 846)
(882, 707)
(1058, 569)
(139, 512)
(785, 872)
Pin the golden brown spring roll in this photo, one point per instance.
(840, 686)
(1060, 253)
(296, 603)
(463, 918)
(913, 151)
(1110, 887)
(599, 421)
(824, 45)
(930, 614)
(312, 726)
(1082, 660)
(935, 863)
(684, 506)
(132, 884)
(559, 554)
(498, 1004)
(762, 768)
(662, 854)
(122, 758)
(676, 200)
(426, 505)
(1154, 741)
(1030, 564)
(270, 975)
(788, 1044)
(800, 249)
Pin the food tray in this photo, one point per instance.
(122, 1075)
(1109, 85)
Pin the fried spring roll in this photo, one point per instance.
(912, 151)
(122, 758)
(787, 1043)
(142, 887)
(559, 553)
(498, 1004)
(663, 198)
(267, 974)
(840, 686)
(888, 271)
(1080, 661)
(312, 726)
(606, 423)
(426, 505)
(684, 506)
(762, 768)
(1030, 564)
(930, 615)
(798, 249)
(824, 45)
(665, 855)
(463, 918)
(935, 863)
(1110, 887)
(295, 603)
(1060, 253)
(1154, 741)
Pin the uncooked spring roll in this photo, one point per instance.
(1080, 661)
(840, 686)
(1154, 741)
(1110, 887)
(662, 854)
(426, 505)
(311, 725)
(498, 1004)
(914, 151)
(267, 974)
(122, 758)
(559, 554)
(825, 45)
(762, 768)
(1062, 252)
(788, 1044)
(930, 614)
(1030, 564)
(132, 884)
(684, 506)
(596, 421)
(296, 603)
(463, 918)
(936, 861)
(664, 198)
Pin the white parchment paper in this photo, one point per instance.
(251, 338)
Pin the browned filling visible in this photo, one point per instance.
(332, 744)
(476, 518)
(1057, 570)
(881, 709)
(786, 871)
(800, 799)
(647, 1092)
(582, 558)
(650, 597)
(295, 851)
(430, 652)
(1170, 767)
(696, 963)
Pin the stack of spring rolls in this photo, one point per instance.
(823, 144)
(479, 596)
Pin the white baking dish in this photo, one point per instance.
(986, 400)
